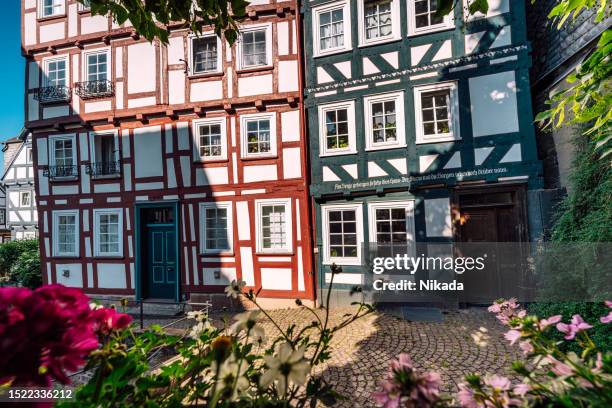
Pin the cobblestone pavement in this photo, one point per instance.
(466, 341)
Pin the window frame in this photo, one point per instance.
(259, 204)
(96, 237)
(219, 69)
(267, 27)
(454, 120)
(352, 147)
(85, 56)
(447, 24)
(228, 205)
(83, 8)
(325, 210)
(52, 158)
(41, 9)
(346, 12)
(400, 127)
(29, 155)
(55, 233)
(28, 194)
(243, 135)
(45, 72)
(195, 127)
(395, 25)
(92, 144)
(407, 205)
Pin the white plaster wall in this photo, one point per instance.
(494, 96)
(32, 108)
(260, 173)
(226, 275)
(100, 106)
(276, 278)
(176, 50)
(139, 102)
(141, 67)
(93, 24)
(206, 91)
(438, 217)
(212, 176)
(246, 258)
(33, 75)
(290, 126)
(29, 28)
(255, 85)
(287, 76)
(176, 87)
(148, 152)
(51, 32)
(283, 37)
(75, 275)
(111, 276)
(292, 164)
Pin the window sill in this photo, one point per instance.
(51, 18)
(84, 12)
(275, 253)
(253, 158)
(437, 140)
(338, 153)
(204, 75)
(67, 257)
(255, 69)
(331, 52)
(370, 43)
(430, 31)
(385, 147)
(212, 254)
(63, 179)
(347, 262)
(106, 177)
(223, 160)
(109, 257)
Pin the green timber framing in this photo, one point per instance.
(477, 50)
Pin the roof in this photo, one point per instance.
(21, 138)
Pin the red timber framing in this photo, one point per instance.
(153, 126)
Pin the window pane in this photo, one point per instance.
(216, 229)
(204, 58)
(273, 227)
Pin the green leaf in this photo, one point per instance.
(479, 6)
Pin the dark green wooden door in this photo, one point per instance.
(161, 262)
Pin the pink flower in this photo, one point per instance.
(559, 368)
(551, 320)
(466, 397)
(521, 389)
(512, 336)
(108, 320)
(606, 319)
(576, 325)
(608, 303)
(389, 397)
(526, 347)
(498, 382)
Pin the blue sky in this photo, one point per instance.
(12, 71)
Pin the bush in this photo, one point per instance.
(20, 263)
(601, 333)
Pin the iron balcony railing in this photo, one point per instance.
(94, 89)
(110, 168)
(54, 172)
(51, 94)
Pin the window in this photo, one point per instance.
(255, 46)
(258, 135)
(216, 235)
(422, 17)
(437, 113)
(392, 227)
(96, 66)
(85, 6)
(385, 121)
(337, 128)
(29, 156)
(331, 28)
(211, 139)
(205, 54)
(2, 217)
(25, 199)
(378, 21)
(62, 154)
(274, 233)
(108, 232)
(65, 233)
(342, 234)
(104, 154)
(48, 8)
(55, 72)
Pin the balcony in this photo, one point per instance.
(61, 172)
(104, 169)
(53, 94)
(94, 89)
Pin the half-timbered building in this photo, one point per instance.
(166, 171)
(17, 180)
(420, 126)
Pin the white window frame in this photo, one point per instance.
(395, 25)
(346, 12)
(52, 140)
(23, 193)
(55, 235)
(327, 258)
(61, 8)
(259, 204)
(92, 143)
(86, 54)
(352, 147)
(446, 24)
(96, 238)
(29, 155)
(191, 65)
(228, 205)
(45, 64)
(196, 136)
(83, 7)
(454, 133)
(407, 205)
(243, 135)
(256, 27)
(400, 126)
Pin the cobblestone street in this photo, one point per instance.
(466, 341)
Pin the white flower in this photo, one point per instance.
(198, 315)
(199, 328)
(95, 306)
(288, 366)
(247, 322)
(234, 289)
(229, 372)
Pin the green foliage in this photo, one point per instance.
(601, 333)
(17, 259)
(152, 18)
